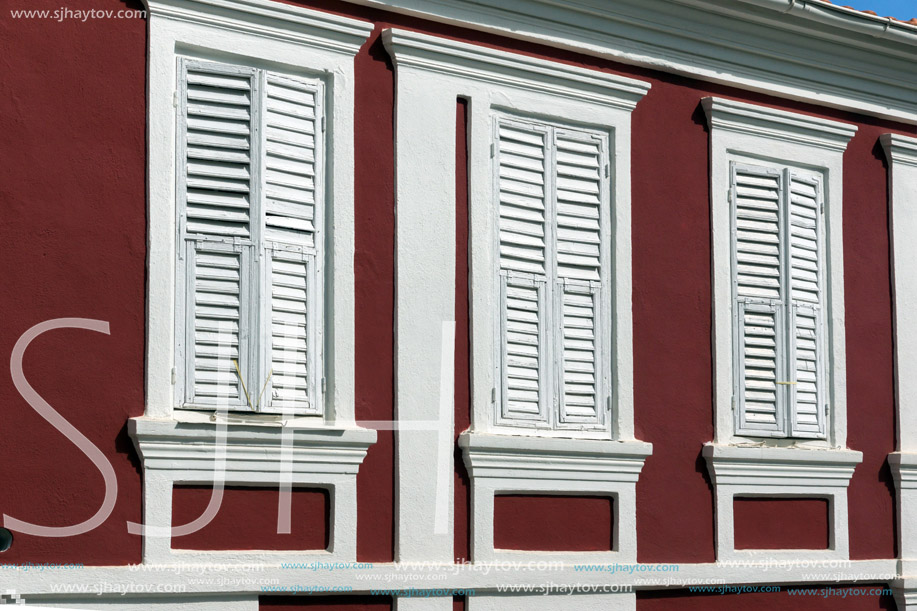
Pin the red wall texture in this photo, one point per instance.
(72, 243)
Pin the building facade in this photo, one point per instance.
(476, 304)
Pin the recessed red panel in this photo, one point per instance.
(781, 523)
(553, 523)
(247, 519)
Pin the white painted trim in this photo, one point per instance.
(501, 464)
(901, 152)
(176, 446)
(267, 34)
(559, 602)
(431, 73)
(796, 49)
(780, 472)
(747, 133)
(483, 577)
(187, 452)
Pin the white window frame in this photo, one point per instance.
(178, 445)
(431, 73)
(552, 371)
(762, 466)
(292, 40)
(756, 135)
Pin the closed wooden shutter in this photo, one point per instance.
(217, 192)
(522, 186)
(578, 170)
(759, 299)
(806, 298)
(291, 187)
(250, 189)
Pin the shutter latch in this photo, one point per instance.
(786, 383)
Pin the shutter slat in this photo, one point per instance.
(522, 314)
(289, 333)
(521, 182)
(806, 288)
(580, 398)
(757, 276)
(289, 180)
(578, 229)
(217, 145)
(216, 322)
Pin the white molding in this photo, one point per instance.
(222, 579)
(567, 601)
(431, 73)
(188, 452)
(796, 49)
(494, 67)
(747, 133)
(265, 34)
(900, 149)
(775, 473)
(269, 19)
(901, 152)
(764, 122)
(500, 464)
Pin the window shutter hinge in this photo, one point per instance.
(492, 149)
(323, 123)
(493, 395)
(606, 170)
(174, 99)
(324, 385)
(731, 194)
(608, 404)
(173, 375)
(822, 207)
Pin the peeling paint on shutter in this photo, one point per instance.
(806, 318)
(759, 292)
(521, 181)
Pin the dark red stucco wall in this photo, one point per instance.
(72, 163)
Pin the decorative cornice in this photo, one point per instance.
(539, 458)
(900, 149)
(777, 124)
(269, 19)
(511, 69)
(904, 469)
(192, 446)
(763, 466)
(796, 49)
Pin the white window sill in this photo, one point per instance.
(518, 464)
(771, 472)
(257, 452)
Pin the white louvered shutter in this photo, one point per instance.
(217, 191)
(522, 186)
(578, 184)
(806, 263)
(759, 300)
(290, 190)
(249, 189)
